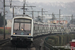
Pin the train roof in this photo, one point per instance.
(22, 16)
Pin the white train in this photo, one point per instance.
(25, 30)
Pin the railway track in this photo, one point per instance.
(8, 46)
(38, 43)
(4, 41)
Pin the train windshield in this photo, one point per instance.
(22, 24)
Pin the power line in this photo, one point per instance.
(18, 6)
(35, 11)
(13, 10)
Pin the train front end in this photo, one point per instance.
(22, 31)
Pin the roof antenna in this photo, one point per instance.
(24, 7)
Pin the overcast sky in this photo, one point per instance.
(48, 1)
(52, 6)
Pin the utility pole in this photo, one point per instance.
(35, 11)
(10, 3)
(18, 6)
(24, 7)
(52, 15)
(32, 15)
(59, 15)
(4, 17)
(72, 18)
(13, 12)
(69, 16)
(42, 14)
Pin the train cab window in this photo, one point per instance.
(22, 24)
(16, 26)
(27, 26)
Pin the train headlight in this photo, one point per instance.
(29, 33)
(22, 29)
(14, 33)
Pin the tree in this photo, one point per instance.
(53, 17)
(72, 21)
(2, 21)
(38, 19)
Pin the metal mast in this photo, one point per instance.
(4, 17)
(72, 18)
(59, 15)
(24, 7)
(42, 14)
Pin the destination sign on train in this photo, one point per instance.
(17, 20)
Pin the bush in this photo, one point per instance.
(53, 40)
(2, 31)
(60, 40)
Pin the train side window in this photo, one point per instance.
(43, 27)
(39, 27)
(34, 27)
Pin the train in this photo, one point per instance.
(24, 29)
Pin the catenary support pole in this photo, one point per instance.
(4, 17)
